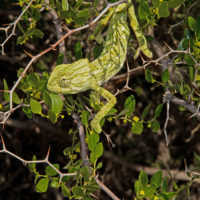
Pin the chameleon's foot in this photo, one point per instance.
(96, 126)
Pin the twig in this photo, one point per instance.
(13, 25)
(106, 189)
(45, 161)
(59, 32)
(80, 127)
(174, 173)
(185, 16)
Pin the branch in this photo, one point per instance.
(45, 161)
(13, 25)
(59, 32)
(185, 16)
(174, 173)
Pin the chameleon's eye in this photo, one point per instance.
(63, 82)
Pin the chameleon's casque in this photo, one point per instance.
(83, 75)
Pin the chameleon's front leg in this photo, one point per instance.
(95, 123)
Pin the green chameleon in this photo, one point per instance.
(83, 75)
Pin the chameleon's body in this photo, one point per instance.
(83, 75)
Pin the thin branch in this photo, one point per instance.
(44, 161)
(80, 127)
(13, 25)
(185, 16)
(174, 173)
(59, 32)
(106, 189)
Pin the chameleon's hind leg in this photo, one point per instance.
(95, 123)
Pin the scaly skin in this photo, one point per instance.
(83, 75)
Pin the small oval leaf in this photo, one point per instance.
(35, 106)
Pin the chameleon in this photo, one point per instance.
(83, 75)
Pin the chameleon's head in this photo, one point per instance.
(70, 78)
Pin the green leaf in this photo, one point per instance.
(93, 139)
(155, 125)
(163, 9)
(38, 33)
(164, 185)
(33, 80)
(158, 110)
(192, 73)
(99, 165)
(169, 195)
(143, 178)
(174, 3)
(52, 116)
(42, 185)
(85, 172)
(84, 118)
(65, 191)
(16, 99)
(143, 10)
(93, 157)
(60, 59)
(56, 103)
(149, 191)
(198, 28)
(138, 187)
(129, 104)
(82, 16)
(27, 111)
(47, 99)
(77, 190)
(36, 14)
(55, 184)
(156, 178)
(137, 128)
(156, 3)
(146, 110)
(6, 95)
(32, 165)
(98, 150)
(97, 50)
(184, 44)
(189, 60)
(165, 76)
(78, 50)
(35, 106)
(65, 5)
(192, 23)
(20, 40)
(20, 28)
(52, 2)
(50, 171)
(148, 76)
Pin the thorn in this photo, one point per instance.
(66, 28)
(53, 47)
(28, 54)
(185, 163)
(4, 147)
(168, 46)
(60, 179)
(47, 156)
